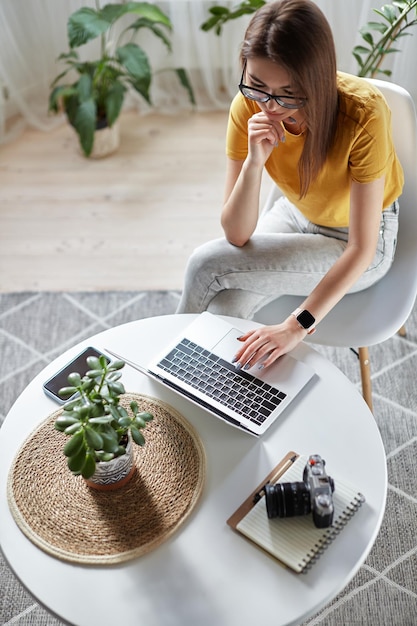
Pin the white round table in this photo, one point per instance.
(207, 574)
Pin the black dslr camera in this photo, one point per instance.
(313, 495)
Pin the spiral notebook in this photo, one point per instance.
(294, 541)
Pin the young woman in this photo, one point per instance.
(325, 139)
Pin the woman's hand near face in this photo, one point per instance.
(263, 137)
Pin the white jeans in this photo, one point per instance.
(287, 255)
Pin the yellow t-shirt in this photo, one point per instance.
(363, 152)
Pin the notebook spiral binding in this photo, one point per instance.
(331, 533)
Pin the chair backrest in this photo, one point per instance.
(404, 129)
(375, 314)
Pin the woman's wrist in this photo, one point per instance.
(295, 327)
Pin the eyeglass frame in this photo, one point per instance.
(270, 96)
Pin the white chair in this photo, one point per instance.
(374, 315)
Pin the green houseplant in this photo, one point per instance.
(94, 99)
(96, 423)
(397, 18)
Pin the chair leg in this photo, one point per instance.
(365, 366)
(402, 332)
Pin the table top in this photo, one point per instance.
(206, 573)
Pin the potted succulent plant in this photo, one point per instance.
(94, 99)
(99, 427)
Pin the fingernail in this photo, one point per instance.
(238, 366)
(260, 367)
(234, 359)
(247, 366)
(240, 338)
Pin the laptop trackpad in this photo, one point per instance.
(228, 346)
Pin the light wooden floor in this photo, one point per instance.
(127, 222)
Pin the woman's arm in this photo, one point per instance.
(365, 216)
(243, 180)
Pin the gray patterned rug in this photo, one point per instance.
(36, 327)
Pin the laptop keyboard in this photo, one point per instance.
(219, 379)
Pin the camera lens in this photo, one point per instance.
(287, 499)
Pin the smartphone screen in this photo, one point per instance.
(59, 380)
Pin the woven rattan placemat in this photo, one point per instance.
(59, 513)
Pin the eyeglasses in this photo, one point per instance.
(288, 102)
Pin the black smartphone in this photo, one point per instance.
(59, 380)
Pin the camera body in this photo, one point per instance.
(313, 495)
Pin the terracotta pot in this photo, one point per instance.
(114, 474)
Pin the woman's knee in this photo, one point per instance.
(208, 257)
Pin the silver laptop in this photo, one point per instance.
(198, 365)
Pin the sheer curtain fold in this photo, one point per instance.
(33, 34)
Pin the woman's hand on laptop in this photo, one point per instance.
(263, 346)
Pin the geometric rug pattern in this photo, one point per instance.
(36, 327)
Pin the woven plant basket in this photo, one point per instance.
(106, 141)
(67, 519)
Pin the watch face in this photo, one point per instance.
(306, 319)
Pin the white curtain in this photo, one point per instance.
(33, 34)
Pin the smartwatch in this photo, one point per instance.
(305, 320)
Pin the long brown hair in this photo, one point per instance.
(296, 35)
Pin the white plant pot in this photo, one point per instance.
(114, 474)
(106, 141)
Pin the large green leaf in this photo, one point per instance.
(136, 64)
(89, 466)
(182, 75)
(157, 31)
(141, 88)
(94, 439)
(379, 26)
(387, 12)
(63, 421)
(87, 24)
(75, 444)
(84, 25)
(111, 12)
(62, 91)
(76, 462)
(110, 442)
(114, 102)
(221, 15)
(102, 420)
(71, 108)
(134, 60)
(137, 436)
(84, 89)
(367, 36)
(115, 387)
(84, 123)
